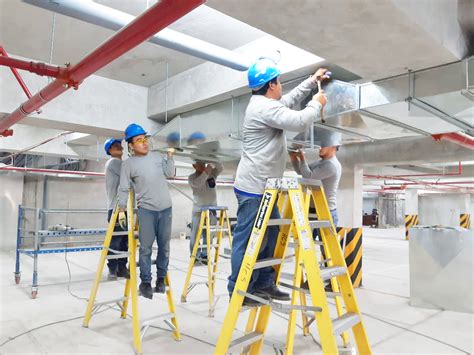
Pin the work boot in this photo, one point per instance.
(145, 290)
(160, 285)
(249, 302)
(112, 275)
(275, 293)
(123, 272)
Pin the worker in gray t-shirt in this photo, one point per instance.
(328, 169)
(147, 172)
(268, 115)
(113, 147)
(203, 184)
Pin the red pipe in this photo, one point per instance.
(157, 17)
(34, 67)
(456, 137)
(4, 55)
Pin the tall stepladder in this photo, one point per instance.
(295, 224)
(131, 290)
(214, 235)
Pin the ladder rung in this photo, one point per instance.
(333, 294)
(279, 221)
(345, 322)
(118, 256)
(270, 262)
(319, 224)
(123, 233)
(217, 229)
(247, 339)
(150, 320)
(294, 244)
(205, 246)
(333, 271)
(310, 182)
(121, 299)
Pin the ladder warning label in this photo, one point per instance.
(305, 242)
(263, 210)
(299, 213)
(252, 246)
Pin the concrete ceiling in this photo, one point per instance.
(26, 31)
(373, 39)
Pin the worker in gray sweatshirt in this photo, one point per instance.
(146, 171)
(203, 184)
(328, 169)
(268, 116)
(113, 148)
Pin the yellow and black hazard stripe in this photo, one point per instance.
(465, 220)
(352, 252)
(410, 221)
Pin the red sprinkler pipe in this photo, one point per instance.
(456, 137)
(157, 17)
(3, 56)
(34, 67)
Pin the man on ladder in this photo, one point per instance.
(113, 147)
(267, 117)
(147, 171)
(203, 184)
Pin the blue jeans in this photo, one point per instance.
(154, 225)
(201, 252)
(246, 214)
(118, 242)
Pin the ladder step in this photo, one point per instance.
(345, 322)
(247, 339)
(319, 224)
(118, 256)
(121, 299)
(333, 271)
(270, 262)
(279, 221)
(294, 244)
(124, 233)
(205, 246)
(216, 229)
(310, 182)
(150, 320)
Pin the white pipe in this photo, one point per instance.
(100, 15)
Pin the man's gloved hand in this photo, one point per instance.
(122, 220)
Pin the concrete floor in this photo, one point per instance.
(393, 326)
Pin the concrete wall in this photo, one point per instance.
(442, 209)
(11, 194)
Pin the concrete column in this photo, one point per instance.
(411, 201)
(350, 197)
(443, 209)
(11, 195)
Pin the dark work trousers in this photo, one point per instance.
(118, 242)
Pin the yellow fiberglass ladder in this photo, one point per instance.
(130, 291)
(288, 194)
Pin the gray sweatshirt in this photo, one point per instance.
(112, 181)
(148, 175)
(328, 171)
(264, 141)
(203, 194)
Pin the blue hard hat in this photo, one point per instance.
(133, 130)
(196, 136)
(261, 72)
(109, 142)
(173, 137)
